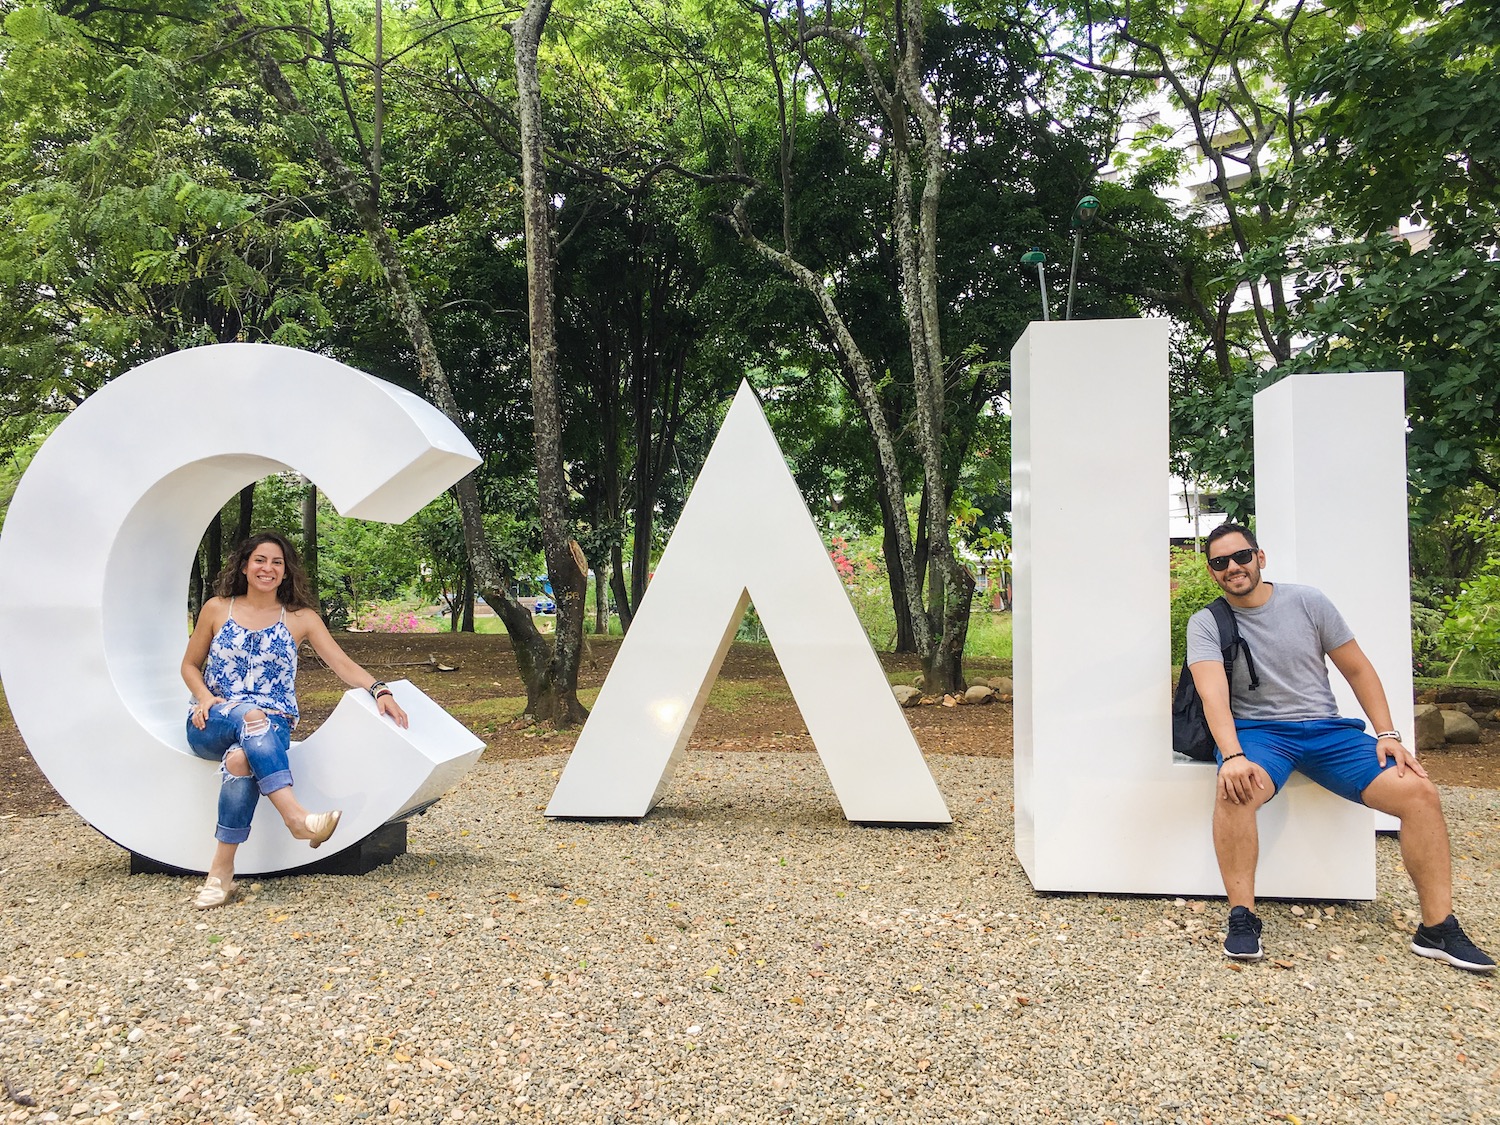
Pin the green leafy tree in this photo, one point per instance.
(1408, 115)
(143, 209)
(1230, 70)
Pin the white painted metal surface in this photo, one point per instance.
(1330, 486)
(93, 574)
(1100, 804)
(746, 534)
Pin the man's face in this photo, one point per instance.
(1238, 579)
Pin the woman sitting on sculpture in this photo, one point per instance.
(241, 665)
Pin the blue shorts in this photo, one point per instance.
(1336, 753)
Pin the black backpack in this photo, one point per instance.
(1190, 733)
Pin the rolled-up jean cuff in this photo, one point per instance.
(274, 781)
(231, 835)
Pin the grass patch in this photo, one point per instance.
(498, 710)
(733, 696)
(485, 624)
(989, 638)
(1436, 683)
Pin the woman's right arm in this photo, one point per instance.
(210, 619)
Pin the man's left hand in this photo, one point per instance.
(1405, 759)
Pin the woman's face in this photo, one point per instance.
(265, 568)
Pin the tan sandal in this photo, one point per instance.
(213, 893)
(322, 825)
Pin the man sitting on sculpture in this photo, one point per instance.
(1288, 721)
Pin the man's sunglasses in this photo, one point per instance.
(1242, 558)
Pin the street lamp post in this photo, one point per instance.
(1034, 257)
(1083, 215)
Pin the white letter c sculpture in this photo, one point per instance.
(93, 569)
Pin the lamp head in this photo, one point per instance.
(1033, 257)
(1085, 212)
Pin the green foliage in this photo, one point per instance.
(1227, 68)
(989, 639)
(862, 569)
(13, 467)
(1192, 589)
(1426, 640)
(1416, 103)
(136, 212)
(1471, 627)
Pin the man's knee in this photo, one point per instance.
(1404, 796)
(236, 764)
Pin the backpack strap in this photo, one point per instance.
(1231, 642)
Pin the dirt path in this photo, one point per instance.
(750, 708)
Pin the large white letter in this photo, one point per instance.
(1100, 805)
(1330, 498)
(93, 571)
(746, 534)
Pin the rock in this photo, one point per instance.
(1496, 716)
(1458, 727)
(1480, 699)
(980, 693)
(1424, 709)
(907, 696)
(1003, 685)
(1429, 727)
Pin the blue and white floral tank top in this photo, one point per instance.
(254, 666)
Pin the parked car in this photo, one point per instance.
(544, 605)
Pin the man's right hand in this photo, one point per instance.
(1239, 777)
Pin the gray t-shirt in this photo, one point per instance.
(1288, 637)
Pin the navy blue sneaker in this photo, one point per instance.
(1242, 939)
(1447, 942)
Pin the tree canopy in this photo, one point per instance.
(830, 200)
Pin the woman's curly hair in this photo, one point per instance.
(293, 591)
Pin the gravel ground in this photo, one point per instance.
(743, 955)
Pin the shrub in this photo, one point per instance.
(1471, 625)
(1192, 589)
(1427, 658)
(390, 619)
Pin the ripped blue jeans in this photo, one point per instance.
(265, 743)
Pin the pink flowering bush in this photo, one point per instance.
(385, 619)
(861, 568)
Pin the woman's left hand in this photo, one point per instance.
(388, 706)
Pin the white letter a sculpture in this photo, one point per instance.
(745, 535)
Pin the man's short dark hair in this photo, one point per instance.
(1229, 529)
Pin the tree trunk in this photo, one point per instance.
(195, 589)
(601, 603)
(490, 574)
(940, 621)
(556, 695)
(900, 604)
(214, 557)
(950, 585)
(247, 514)
(640, 553)
(310, 542)
(466, 605)
(623, 604)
